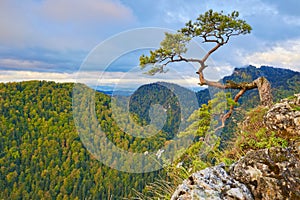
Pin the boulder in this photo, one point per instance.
(265, 174)
(211, 184)
(270, 173)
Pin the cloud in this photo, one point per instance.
(292, 20)
(15, 28)
(282, 54)
(112, 80)
(46, 62)
(270, 19)
(15, 64)
(288, 7)
(86, 11)
(55, 35)
(60, 24)
(16, 76)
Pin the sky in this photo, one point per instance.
(58, 39)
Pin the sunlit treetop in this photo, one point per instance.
(216, 27)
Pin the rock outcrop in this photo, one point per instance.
(264, 174)
(212, 184)
(284, 116)
(270, 173)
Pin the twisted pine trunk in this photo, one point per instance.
(264, 89)
(261, 83)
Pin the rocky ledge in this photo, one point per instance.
(265, 174)
(284, 116)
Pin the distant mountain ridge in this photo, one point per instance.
(284, 83)
(116, 92)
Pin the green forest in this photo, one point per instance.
(43, 157)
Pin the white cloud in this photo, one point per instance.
(12, 76)
(282, 54)
(174, 17)
(117, 80)
(254, 7)
(291, 20)
(136, 78)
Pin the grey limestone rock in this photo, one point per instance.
(284, 116)
(270, 173)
(212, 184)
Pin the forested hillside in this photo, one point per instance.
(42, 155)
(178, 102)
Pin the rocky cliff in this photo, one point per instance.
(266, 174)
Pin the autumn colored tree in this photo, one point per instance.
(212, 27)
